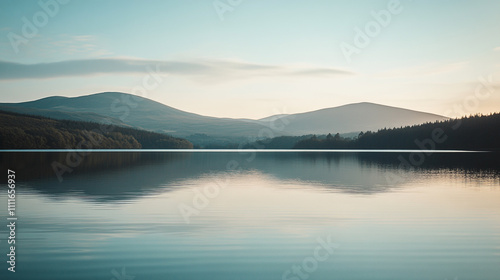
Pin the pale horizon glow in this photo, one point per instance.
(264, 58)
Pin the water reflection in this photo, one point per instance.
(121, 210)
(107, 177)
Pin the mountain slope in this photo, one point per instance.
(150, 115)
(65, 115)
(143, 113)
(353, 117)
(34, 132)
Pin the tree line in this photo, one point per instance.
(477, 132)
(19, 131)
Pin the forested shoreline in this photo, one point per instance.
(478, 132)
(18, 131)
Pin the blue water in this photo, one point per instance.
(254, 216)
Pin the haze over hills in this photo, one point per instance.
(353, 118)
(142, 113)
(130, 110)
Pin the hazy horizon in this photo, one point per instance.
(289, 113)
(254, 59)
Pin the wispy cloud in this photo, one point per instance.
(57, 47)
(425, 70)
(74, 45)
(497, 49)
(195, 69)
(321, 72)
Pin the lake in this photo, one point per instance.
(231, 215)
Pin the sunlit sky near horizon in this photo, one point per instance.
(259, 59)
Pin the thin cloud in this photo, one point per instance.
(322, 72)
(425, 70)
(201, 68)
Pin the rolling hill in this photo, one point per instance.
(352, 118)
(134, 111)
(138, 112)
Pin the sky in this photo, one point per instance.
(256, 58)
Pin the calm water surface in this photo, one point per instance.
(254, 216)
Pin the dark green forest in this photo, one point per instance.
(280, 142)
(19, 131)
(478, 132)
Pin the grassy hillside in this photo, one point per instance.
(469, 133)
(19, 131)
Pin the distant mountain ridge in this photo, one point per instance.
(129, 110)
(142, 113)
(354, 117)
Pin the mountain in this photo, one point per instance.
(147, 114)
(352, 118)
(141, 113)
